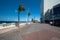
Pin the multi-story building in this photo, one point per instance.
(42, 11)
(45, 5)
(47, 16)
(52, 16)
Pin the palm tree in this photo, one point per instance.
(28, 15)
(20, 8)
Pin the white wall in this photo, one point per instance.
(48, 4)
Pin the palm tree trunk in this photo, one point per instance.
(18, 18)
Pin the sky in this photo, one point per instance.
(8, 10)
(48, 4)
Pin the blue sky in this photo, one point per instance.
(8, 9)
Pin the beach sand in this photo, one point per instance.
(8, 27)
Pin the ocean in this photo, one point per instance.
(11, 22)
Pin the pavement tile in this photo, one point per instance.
(41, 35)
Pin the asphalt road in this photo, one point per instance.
(35, 27)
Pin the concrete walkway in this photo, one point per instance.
(33, 31)
(41, 32)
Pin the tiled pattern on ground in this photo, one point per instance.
(41, 35)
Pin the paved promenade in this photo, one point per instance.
(34, 31)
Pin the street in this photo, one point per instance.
(32, 29)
